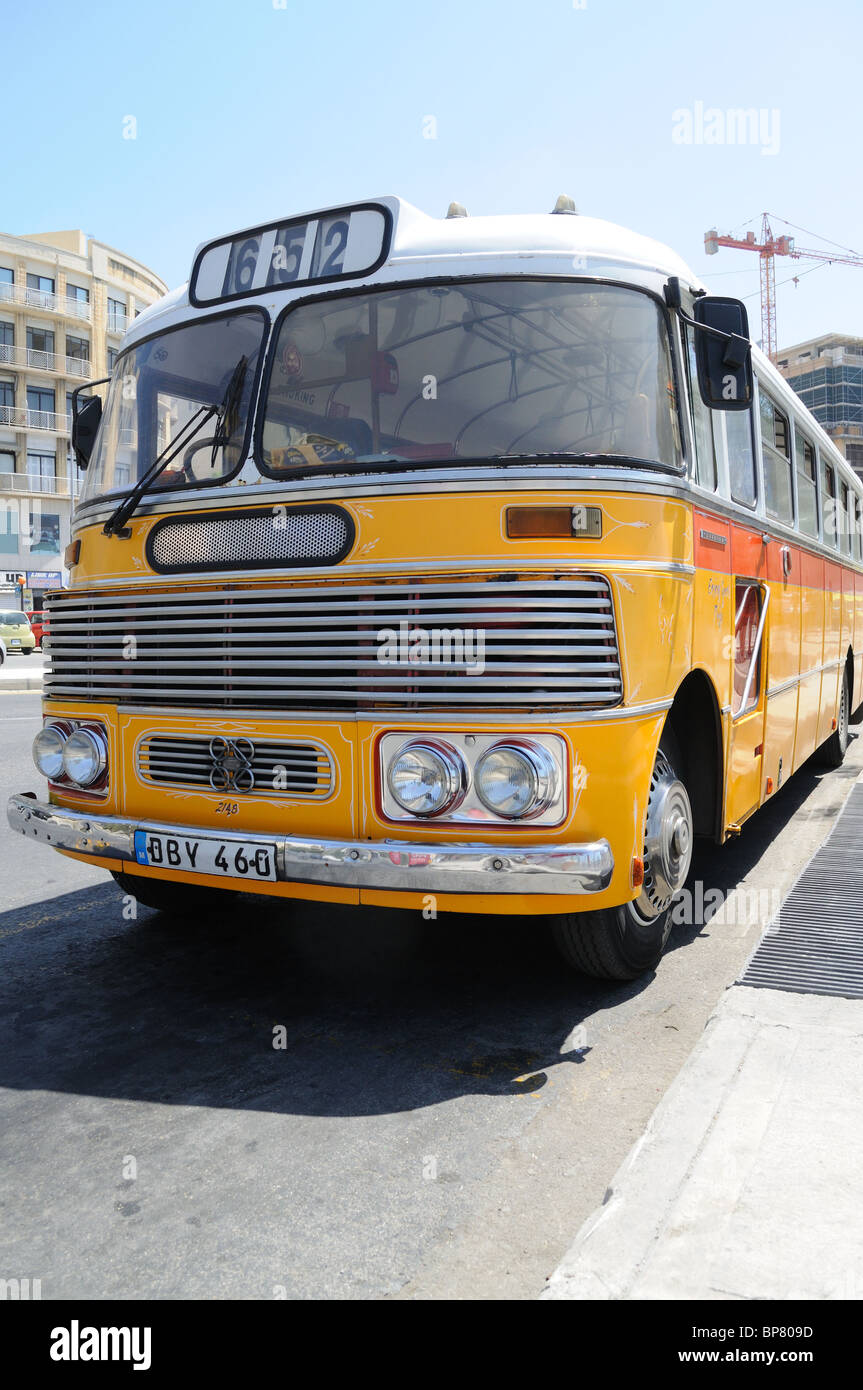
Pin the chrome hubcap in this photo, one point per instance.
(667, 840)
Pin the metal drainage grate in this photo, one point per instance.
(815, 945)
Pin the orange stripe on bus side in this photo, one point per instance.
(745, 553)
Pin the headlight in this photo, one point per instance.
(48, 751)
(515, 780)
(85, 756)
(427, 778)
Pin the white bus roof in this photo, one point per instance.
(540, 243)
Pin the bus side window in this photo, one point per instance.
(747, 681)
(741, 456)
(858, 528)
(776, 451)
(828, 503)
(844, 519)
(702, 422)
(807, 484)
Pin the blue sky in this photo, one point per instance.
(250, 109)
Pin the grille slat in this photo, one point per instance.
(534, 641)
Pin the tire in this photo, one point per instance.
(621, 943)
(832, 751)
(176, 899)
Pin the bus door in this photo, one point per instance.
(748, 698)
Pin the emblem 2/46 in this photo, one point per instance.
(227, 808)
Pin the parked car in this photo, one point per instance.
(16, 631)
(37, 623)
(2, 651)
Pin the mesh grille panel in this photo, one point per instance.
(280, 535)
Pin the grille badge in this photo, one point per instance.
(232, 764)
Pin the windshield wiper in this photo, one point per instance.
(377, 463)
(227, 411)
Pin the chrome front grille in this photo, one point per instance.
(548, 642)
(236, 766)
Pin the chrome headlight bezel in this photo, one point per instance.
(60, 735)
(542, 770)
(98, 748)
(451, 766)
(551, 753)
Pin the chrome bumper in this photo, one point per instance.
(394, 864)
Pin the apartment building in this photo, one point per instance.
(827, 374)
(65, 302)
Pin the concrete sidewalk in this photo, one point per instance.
(748, 1181)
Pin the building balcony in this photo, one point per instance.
(48, 420)
(46, 361)
(24, 483)
(42, 300)
(118, 323)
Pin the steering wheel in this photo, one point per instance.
(213, 441)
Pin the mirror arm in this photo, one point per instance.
(736, 348)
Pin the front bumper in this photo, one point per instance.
(384, 864)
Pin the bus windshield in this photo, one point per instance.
(476, 370)
(157, 389)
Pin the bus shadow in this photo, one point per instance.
(311, 1009)
(316, 1010)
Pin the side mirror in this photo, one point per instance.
(723, 353)
(85, 425)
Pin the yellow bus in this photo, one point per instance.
(461, 564)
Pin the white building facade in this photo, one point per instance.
(65, 302)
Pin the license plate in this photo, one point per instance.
(204, 854)
(14, 641)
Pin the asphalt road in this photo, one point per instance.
(450, 1104)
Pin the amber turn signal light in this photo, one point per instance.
(553, 523)
(524, 522)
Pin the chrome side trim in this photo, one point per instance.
(191, 583)
(803, 676)
(410, 721)
(385, 864)
(409, 484)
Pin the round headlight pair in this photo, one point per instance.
(512, 780)
(81, 756)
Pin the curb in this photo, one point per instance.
(19, 683)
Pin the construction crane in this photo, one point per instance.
(768, 248)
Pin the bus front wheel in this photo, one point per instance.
(175, 899)
(621, 943)
(832, 752)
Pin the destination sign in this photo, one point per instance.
(328, 246)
